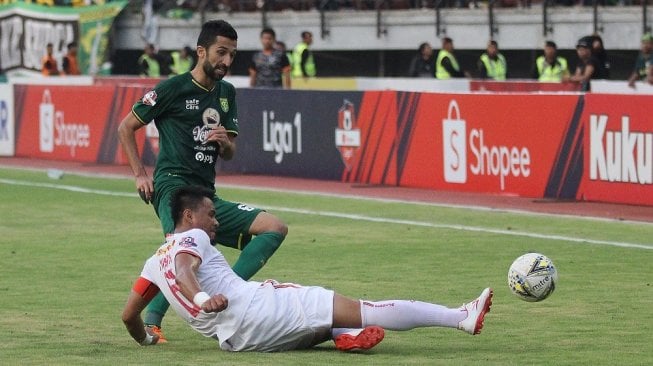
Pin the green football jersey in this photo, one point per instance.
(183, 112)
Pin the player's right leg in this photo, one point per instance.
(409, 314)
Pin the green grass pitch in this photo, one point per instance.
(70, 250)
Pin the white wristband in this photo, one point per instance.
(148, 339)
(200, 298)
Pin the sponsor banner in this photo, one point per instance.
(62, 122)
(295, 133)
(484, 143)
(618, 149)
(373, 159)
(26, 29)
(6, 120)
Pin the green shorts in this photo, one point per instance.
(234, 219)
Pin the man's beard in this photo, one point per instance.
(210, 71)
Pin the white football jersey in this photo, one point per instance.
(215, 276)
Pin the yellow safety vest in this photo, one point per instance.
(551, 73)
(180, 65)
(309, 66)
(153, 69)
(440, 71)
(496, 69)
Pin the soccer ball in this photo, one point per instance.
(532, 277)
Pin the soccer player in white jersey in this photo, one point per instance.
(267, 316)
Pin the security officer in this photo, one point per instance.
(492, 64)
(447, 66)
(302, 62)
(148, 63)
(182, 61)
(550, 67)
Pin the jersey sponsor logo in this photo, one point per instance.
(210, 120)
(224, 104)
(188, 242)
(150, 98)
(500, 161)
(192, 104)
(620, 156)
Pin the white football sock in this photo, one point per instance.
(408, 314)
(351, 331)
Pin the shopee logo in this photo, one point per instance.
(455, 150)
(492, 160)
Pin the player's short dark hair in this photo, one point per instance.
(72, 44)
(213, 29)
(447, 40)
(269, 31)
(550, 44)
(422, 46)
(187, 197)
(306, 34)
(494, 43)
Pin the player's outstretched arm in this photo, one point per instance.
(131, 317)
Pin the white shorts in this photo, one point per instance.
(283, 316)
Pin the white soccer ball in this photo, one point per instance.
(532, 277)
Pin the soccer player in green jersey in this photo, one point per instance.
(196, 117)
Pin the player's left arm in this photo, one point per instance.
(141, 294)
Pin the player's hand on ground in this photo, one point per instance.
(215, 304)
(150, 338)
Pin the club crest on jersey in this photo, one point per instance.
(150, 98)
(187, 242)
(224, 104)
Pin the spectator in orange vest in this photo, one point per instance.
(70, 66)
(49, 63)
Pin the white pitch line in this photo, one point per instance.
(363, 218)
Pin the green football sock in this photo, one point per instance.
(256, 253)
(155, 310)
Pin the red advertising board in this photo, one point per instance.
(374, 160)
(76, 123)
(618, 149)
(502, 144)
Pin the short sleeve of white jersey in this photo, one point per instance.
(196, 242)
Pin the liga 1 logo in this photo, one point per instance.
(348, 135)
(490, 160)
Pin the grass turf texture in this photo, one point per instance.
(68, 260)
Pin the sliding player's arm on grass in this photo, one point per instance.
(141, 294)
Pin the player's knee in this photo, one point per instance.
(281, 228)
(268, 223)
